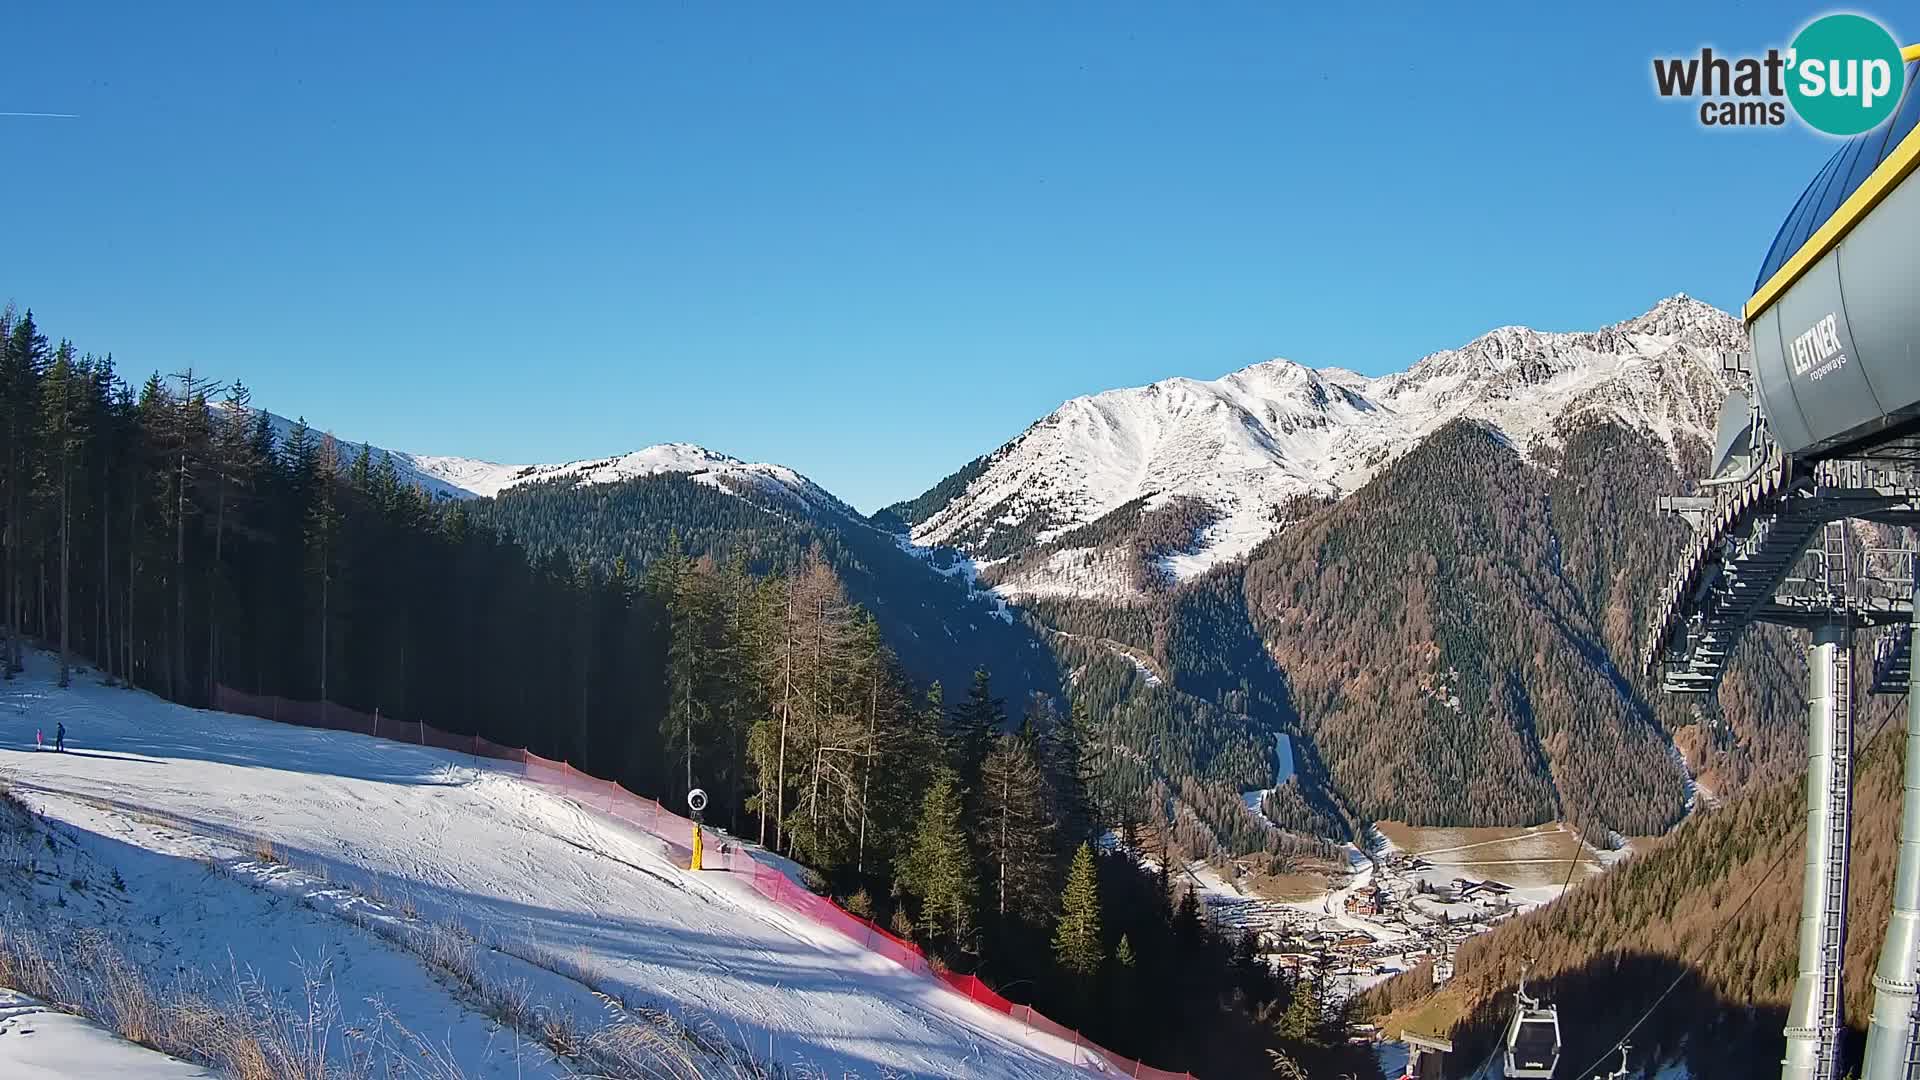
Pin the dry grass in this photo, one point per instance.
(11, 804)
(238, 1026)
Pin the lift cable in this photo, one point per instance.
(1798, 832)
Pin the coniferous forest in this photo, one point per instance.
(161, 535)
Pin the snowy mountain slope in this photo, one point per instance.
(483, 478)
(1249, 442)
(453, 477)
(155, 787)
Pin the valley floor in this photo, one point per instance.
(232, 850)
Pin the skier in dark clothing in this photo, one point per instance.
(60, 738)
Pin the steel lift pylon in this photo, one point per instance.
(1772, 545)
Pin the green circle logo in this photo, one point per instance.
(1845, 74)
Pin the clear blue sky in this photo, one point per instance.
(870, 242)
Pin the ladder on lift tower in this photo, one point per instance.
(1833, 943)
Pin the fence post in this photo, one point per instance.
(476, 749)
(376, 721)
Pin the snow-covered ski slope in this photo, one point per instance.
(161, 789)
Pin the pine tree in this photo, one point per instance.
(1070, 770)
(692, 619)
(184, 435)
(1076, 938)
(234, 464)
(981, 717)
(21, 363)
(1188, 928)
(938, 867)
(323, 545)
(1017, 825)
(1301, 1023)
(63, 436)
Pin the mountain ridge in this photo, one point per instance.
(1247, 442)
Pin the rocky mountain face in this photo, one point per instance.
(1238, 457)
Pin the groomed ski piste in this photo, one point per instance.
(234, 850)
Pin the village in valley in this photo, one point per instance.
(1413, 896)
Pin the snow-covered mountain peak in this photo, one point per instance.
(1250, 442)
(483, 478)
(454, 477)
(1682, 318)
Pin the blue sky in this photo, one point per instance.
(867, 241)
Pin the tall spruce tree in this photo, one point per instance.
(323, 521)
(63, 432)
(1066, 750)
(1076, 937)
(938, 867)
(975, 723)
(21, 363)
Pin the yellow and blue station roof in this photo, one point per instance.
(1858, 176)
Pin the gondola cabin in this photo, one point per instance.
(1533, 1043)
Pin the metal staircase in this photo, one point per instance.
(1749, 537)
(1893, 661)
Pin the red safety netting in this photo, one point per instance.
(650, 817)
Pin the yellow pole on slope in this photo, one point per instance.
(696, 802)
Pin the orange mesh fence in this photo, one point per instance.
(656, 820)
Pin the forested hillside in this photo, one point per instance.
(938, 626)
(1459, 637)
(165, 538)
(1714, 906)
(1179, 754)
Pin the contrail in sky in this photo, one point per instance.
(44, 115)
